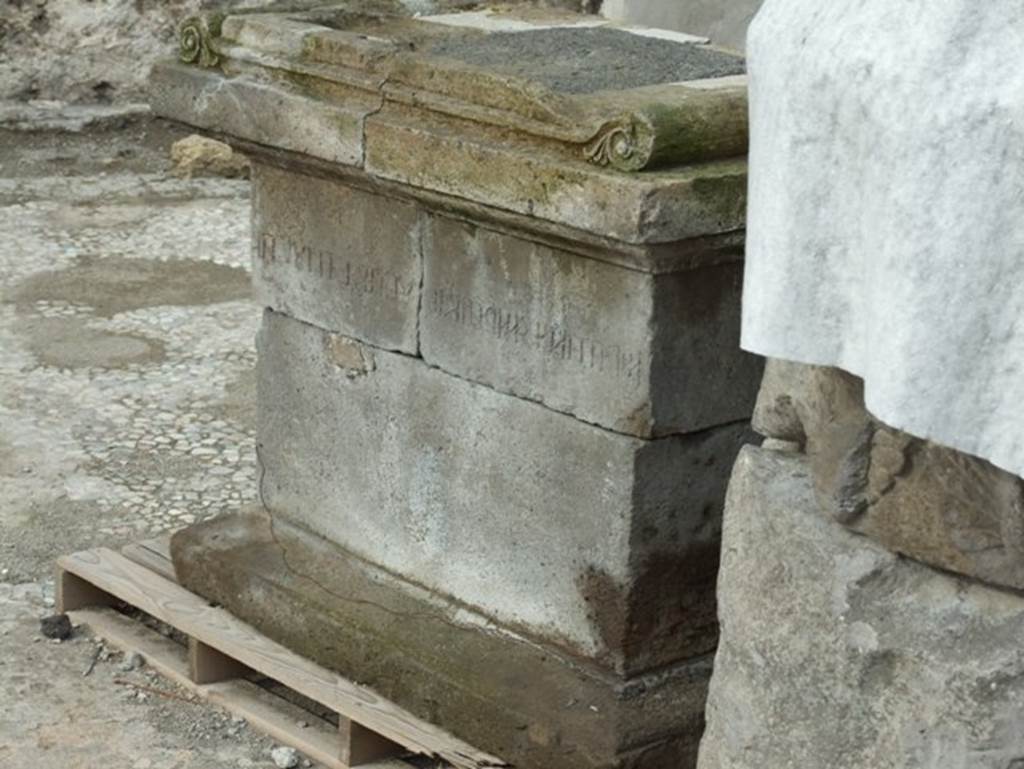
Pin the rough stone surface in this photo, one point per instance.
(924, 304)
(339, 258)
(597, 541)
(775, 412)
(92, 454)
(201, 156)
(83, 51)
(647, 208)
(529, 704)
(126, 378)
(837, 653)
(585, 60)
(724, 21)
(56, 626)
(638, 353)
(284, 758)
(916, 497)
(253, 110)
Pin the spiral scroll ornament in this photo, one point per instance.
(623, 144)
(196, 35)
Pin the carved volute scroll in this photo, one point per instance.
(625, 144)
(195, 40)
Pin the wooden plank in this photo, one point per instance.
(206, 665)
(171, 603)
(280, 720)
(358, 746)
(74, 592)
(267, 713)
(149, 553)
(160, 546)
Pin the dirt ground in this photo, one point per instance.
(126, 410)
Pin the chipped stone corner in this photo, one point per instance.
(354, 358)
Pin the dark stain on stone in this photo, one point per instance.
(522, 701)
(666, 614)
(68, 343)
(880, 671)
(112, 285)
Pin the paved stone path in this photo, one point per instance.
(126, 333)
(126, 410)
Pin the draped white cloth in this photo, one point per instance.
(886, 213)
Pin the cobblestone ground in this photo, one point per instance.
(126, 392)
(126, 333)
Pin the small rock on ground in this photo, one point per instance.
(132, 661)
(285, 758)
(57, 626)
(197, 155)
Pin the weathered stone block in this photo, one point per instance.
(916, 497)
(599, 542)
(560, 487)
(526, 703)
(640, 353)
(338, 257)
(837, 653)
(252, 108)
(650, 208)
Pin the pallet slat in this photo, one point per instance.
(114, 574)
(154, 554)
(358, 746)
(206, 665)
(268, 713)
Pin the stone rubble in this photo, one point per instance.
(56, 627)
(284, 758)
(201, 156)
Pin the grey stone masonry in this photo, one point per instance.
(838, 653)
(499, 358)
(337, 257)
(648, 354)
(602, 542)
(631, 351)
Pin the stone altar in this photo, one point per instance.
(499, 383)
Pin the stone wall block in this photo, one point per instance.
(639, 353)
(525, 702)
(602, 543)
(250, 108)
(837, 653)
(340, 258)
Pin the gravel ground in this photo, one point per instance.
(126, 334)
(126, 410)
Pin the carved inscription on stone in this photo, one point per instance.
(275, 251)
(552, 339)
(342, 259)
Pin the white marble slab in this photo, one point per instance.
(886, 219)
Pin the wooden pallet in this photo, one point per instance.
(371, 732)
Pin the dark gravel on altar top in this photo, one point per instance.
(588, 59)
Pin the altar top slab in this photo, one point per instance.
(568, 106)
